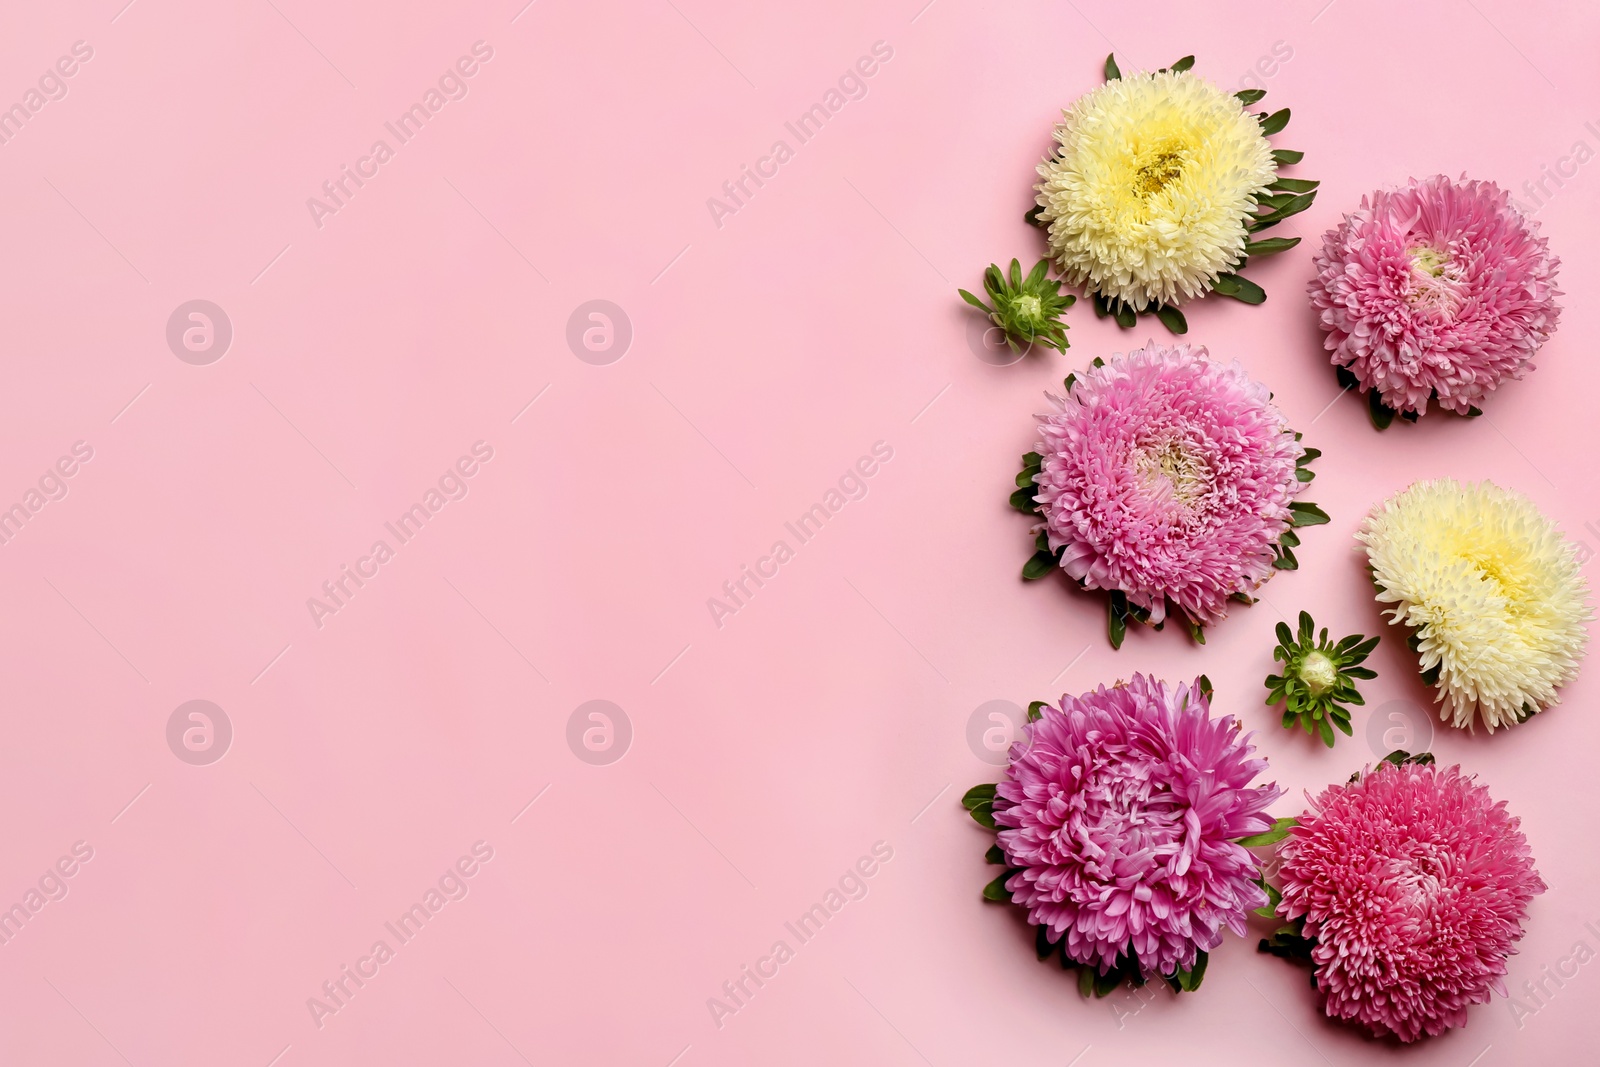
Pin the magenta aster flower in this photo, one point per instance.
(1412, 885)
(1120, 814)
(1438, 290)
(1166, 477)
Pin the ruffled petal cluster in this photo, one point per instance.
(1439, 289)
(1168, 476)
(1148, 198)
(1492, 590)
(1122, 807)
(1414, 883)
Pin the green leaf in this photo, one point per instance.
(1041, 942)
(1280, 830)
(1241, 289)
(1105, 984)
(1112, 73)
(1101, 307)
(1039, 564)
(1250, 96)
(1031, 217)
(983, 815)
(1326, 731)
(1285, 157)
(1023, 499)
(1117, 618)
(975, 302)
(1293, 185)
(1205, 687)
(996, 890)
(1183, 64)
(1303, 475)
(978, 794)
(1294, 206)
(1302, 513)
(1196, 631)
(1310, 453)
(1085, 974)
(1025, 476)
(1286, 560)
(1036, 709)
(1275, 122)
(995, 855)
(1172, 319)
(1382, 414)
(1270, 908)
(1270, 246)
(1126, 318)
(1188, 981)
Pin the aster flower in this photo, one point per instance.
(1158, 183)
(1120, 822)
(1437, 291)
(1168, 480)
(1491, 592)
(1026, 309)
(1405, 890)
(1318, 678)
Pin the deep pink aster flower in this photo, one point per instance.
(1168, 476)
(1121, 807)
(1413, 884)
(1441, 288)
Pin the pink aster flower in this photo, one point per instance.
(1412, 884)
(1166, 476)
(1122, 808)
(1440, 289)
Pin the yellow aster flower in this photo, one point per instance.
(1151, 194)
(1491, 590)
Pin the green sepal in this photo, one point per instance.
(1275, 122)
(996, 890)
(995, 855)
(1303, 513)
(1382, 414)
(1172, 319)
(1039, 564)
(978, 794)
(1285, 157)
(1036, 709)
(1270, 246)
(1117, 617)
(1112, 73)
(1182, 65)
(1241, 289)
(1249, 96)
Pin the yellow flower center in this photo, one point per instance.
(1436, 281)
(1168, 464)
(1319, 673)
(1156, 168)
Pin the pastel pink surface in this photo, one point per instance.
(772, 347)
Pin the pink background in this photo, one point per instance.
(768, 354)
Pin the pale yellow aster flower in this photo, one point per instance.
(1491, 590)
(1149, 196)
